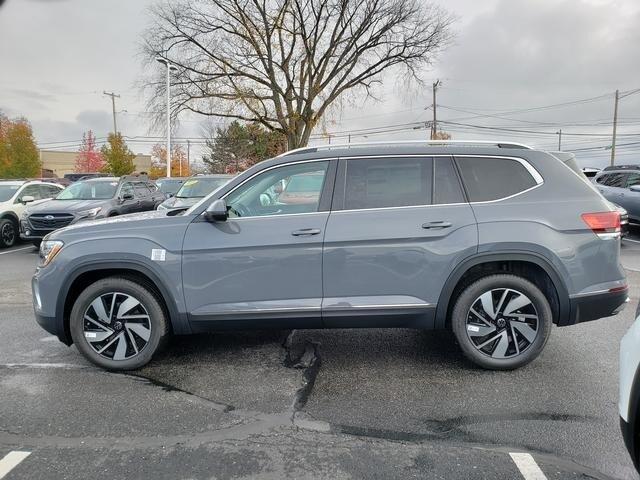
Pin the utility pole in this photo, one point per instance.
(434, 125)
(615, 127)
(189, 156)
(559, 132)
(113, 106)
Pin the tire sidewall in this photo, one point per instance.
(3, 223)
(157, 317)
(471, 294)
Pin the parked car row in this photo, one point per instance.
(30, 209)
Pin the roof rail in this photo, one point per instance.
(454, 143)
(622, 167)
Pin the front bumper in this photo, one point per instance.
(50, 323)
(27, 232)
(592, 307)
(631, 441)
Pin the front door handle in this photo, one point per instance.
(436, 225)
(305, 231)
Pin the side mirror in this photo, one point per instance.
(127, 196)
(27, 199)
(217, 211)
(635, 188)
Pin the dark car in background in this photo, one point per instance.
(194, 189)
(88, 200)
(170, 185)
(620, 184)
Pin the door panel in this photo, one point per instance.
(254, 268)
(387, 264)
(265, 261)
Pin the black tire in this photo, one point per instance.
(36, 243)
(510, 329)
(8, 233)
(119, 287)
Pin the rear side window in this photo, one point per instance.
(446, 184)
(388, 182)
(633, 179)
(487, 178)
(614, 180)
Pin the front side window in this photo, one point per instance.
(126, 189)
(388, 182)
(30, 191)
(633, 179)
(489, 178)
(280, 191)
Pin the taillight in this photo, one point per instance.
(603, 224)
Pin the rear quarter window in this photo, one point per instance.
(487, 178)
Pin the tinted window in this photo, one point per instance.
(388, 182)
(446, 184)
(48, 191)
(633, 179)
(493, 178)
(127, 189)
(269, 193)
(615, 180)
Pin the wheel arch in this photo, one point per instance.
(11, 216)
(482, 265)
(85, 275)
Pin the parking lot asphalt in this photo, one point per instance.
(374, 403)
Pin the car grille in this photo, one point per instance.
(50, 221)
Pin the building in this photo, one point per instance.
(61, 163)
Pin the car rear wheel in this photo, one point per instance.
(118, 324)
(502, 322)
(8, 233)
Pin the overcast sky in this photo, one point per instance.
(57, 57)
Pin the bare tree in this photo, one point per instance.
(283, 63)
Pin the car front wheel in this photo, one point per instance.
(8, 233)
(502, 322)
(118, 324)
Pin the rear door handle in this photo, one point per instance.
(436, 225)
(305, 231)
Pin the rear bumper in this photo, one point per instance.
(592, 307)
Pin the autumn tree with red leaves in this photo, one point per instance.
(89, 159)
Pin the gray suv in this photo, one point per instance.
(494, 242)
(88, 200)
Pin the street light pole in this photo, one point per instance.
(170, 67)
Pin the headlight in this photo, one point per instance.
(89, 213)
(48, 250)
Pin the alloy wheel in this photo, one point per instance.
(117, 326)
(502, 323)
(8, 234)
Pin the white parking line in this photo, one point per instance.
(527, 466)
(17, 250)
(10, 461)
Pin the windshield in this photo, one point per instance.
(8, 191)
(169, 186)
(200, 187)
(89, 191)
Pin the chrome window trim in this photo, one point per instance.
(532, 171)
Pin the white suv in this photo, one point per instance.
(14, 197)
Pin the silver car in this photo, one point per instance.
(494, 242)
